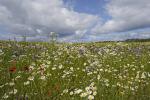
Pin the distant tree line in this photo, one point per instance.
(138, 40)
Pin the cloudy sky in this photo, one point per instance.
(75, 20)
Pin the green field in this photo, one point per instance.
(79, 71)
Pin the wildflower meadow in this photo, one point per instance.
(74, 71)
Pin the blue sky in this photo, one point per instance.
(95, 7)
(87, 6)
(75, 20)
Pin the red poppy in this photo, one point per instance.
(49, 93)
(12, 69)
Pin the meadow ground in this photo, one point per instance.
(83, 71)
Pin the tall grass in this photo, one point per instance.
(99, 71)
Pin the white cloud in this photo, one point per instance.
(126, 15)
(36, 18)
(41, 17)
